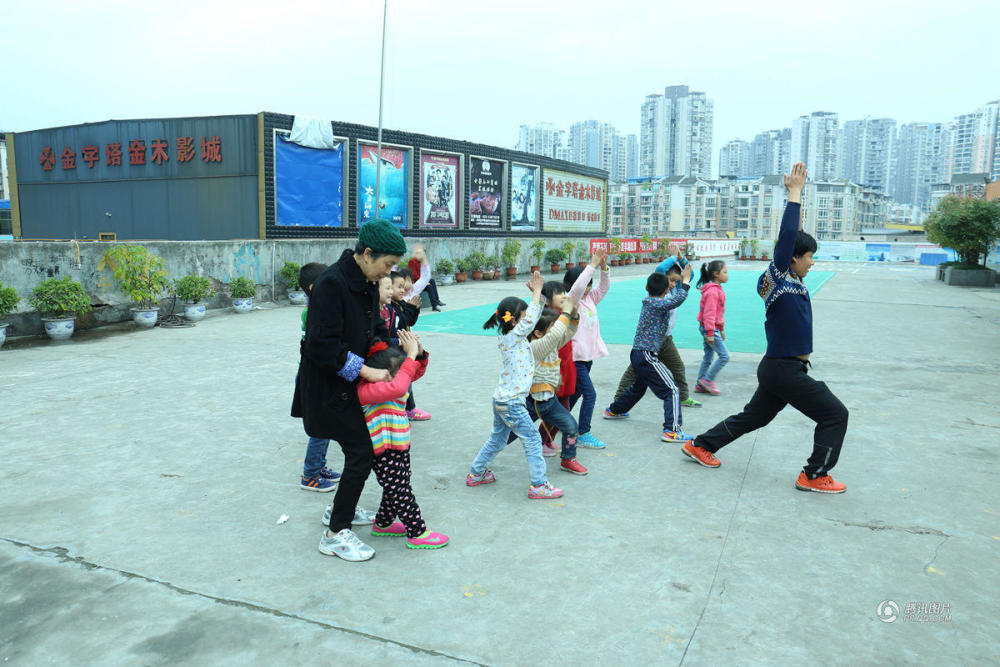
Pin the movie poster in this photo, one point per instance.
(485, 193)
(392, 188)
(438, 191)
(524, 198)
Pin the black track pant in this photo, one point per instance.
(784, 382)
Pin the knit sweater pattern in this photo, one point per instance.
(654, 319)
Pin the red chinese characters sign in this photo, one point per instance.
(211, 152)
(572, 203)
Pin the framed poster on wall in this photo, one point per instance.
(394, 166)
(486, 195)
(308, 184)
(573, 203)
(523, 197)
(439, 188)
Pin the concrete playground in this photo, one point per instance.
(144, 473)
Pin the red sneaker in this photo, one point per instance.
(573, 466)
(700, 455)
(824, 484)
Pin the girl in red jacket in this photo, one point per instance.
(711, 323)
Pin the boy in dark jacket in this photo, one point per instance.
(342, 324)
(783, 373)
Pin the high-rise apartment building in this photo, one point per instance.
(866, 153)
(676, 133)
(598, 144)
(543, 139)
(922, 151)
(974, 141)
(735, 159)
(631, 156)
(814, 141)
(771, 153)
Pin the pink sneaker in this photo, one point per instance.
(475, 480)
(428, 540)
(418, 415)
(544, 492)
(709, 386)
(397, 529)
(549, 451)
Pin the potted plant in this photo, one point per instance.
(510, 254)
(290, 275)
(754, 247)
(971, 226)
(616, 247)
(242, 291)
(568, 248)
(444, 269)
(582, 253)
(646, 243)
(744, 248)
(765, 254)
(537, 252)
(142, 277)
(192, 290)
(62, 300)
(688, 251)
(461, 270)
(8, 302)
(474, 263)
(488, 269)
(554, 257)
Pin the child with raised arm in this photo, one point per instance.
(783, 373)
(384, 404)
(587, 343)
(711, 322)
(515, 320)
(407, 306)
(654, 319)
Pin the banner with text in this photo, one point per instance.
(485, 193)
(439, 191)
(573, 203)
(524, 198)
(392, 186)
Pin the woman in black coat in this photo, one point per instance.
(342, 323)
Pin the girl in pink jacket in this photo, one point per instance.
(711, 323)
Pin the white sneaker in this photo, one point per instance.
(361, 516)
(346, 545)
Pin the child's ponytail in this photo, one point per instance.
(506, 315)
(709, 270)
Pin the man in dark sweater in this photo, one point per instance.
(783, 373)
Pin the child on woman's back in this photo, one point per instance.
(711, 320)
(385, 413)
(516, 321)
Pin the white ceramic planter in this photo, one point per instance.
(145, 317)
(59, 328)
(194, 311)
(297, 297)
(243, 305)
(3, 333)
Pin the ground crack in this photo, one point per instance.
(63, 555)
(881, 525)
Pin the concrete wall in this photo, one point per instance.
(23, 265)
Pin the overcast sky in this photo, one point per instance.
(477, 70)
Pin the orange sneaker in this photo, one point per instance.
(824, 484)
(700, 455)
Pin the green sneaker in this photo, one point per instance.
(690, 403)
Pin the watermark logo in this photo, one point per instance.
(887, 611)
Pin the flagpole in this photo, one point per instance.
(381, 90)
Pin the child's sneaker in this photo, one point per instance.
(698, 389)
(544, 492)
(549, 450)
(326, 473)
(589, 441)
(417, 415)
(690, 403)
(701, 455)
(573, 466)
(676, 436)
(346, 545)
(317, 483)
(397, 529)
(428, 540)
(610, 415)
(824, 484)
(486, 477)
(361, 516)
(708, 386)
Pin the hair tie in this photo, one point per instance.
(507, 317)
(376, 348)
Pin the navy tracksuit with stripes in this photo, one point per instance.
(650, 372)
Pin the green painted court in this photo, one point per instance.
(619, 312)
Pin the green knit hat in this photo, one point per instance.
(382, 237)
